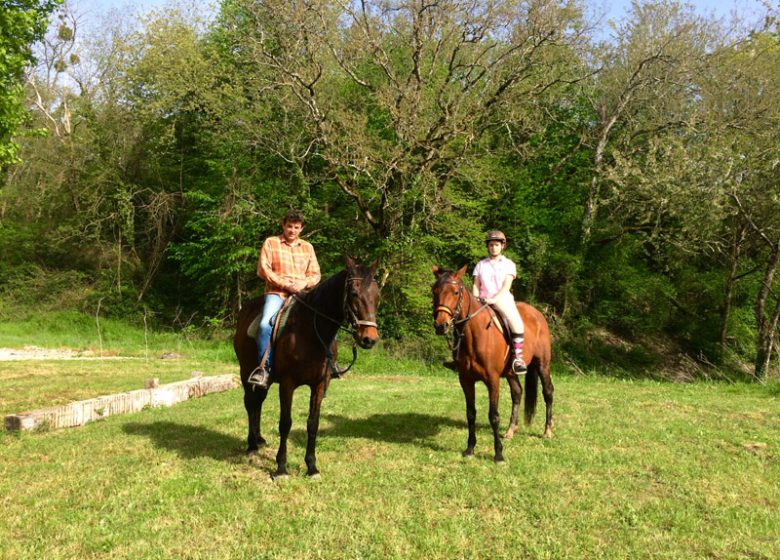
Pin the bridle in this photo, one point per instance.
(349, 313)
(455, 314)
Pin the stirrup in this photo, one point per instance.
(518, 366)
(260, 377)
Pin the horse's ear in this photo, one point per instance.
(374, 265)
(461, 271)
(349, 262)
(436, 270)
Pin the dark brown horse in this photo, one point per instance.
(482, 354)
(302, 350)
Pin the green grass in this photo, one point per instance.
(636, 469)
(106, 336)
(132, 355)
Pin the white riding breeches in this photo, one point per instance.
(506, 304)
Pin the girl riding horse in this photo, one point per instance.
(482, 355)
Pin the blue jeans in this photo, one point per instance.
(271, 307)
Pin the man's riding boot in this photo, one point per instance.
(518, 365)
(260, 377)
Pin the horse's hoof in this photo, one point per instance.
(280, 477)
(467, 454)
(509, 435)
(547, 434)
(499, 461)
(315, 476)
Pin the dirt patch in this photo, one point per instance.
(37, 353)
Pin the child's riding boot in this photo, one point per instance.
(518, 365)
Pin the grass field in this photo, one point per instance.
(636, 469)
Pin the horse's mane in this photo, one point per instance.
(325, 291)
(329, 290)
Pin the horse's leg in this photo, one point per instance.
(493, 394)
(471, 414)
(253, 403)
(547, 391)
(286, 390)
(517, 394)
(313, 425)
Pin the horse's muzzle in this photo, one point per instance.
(366, 342)
(367, 337)
(441, 328)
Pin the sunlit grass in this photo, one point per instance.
(635, 470)
(108, 337)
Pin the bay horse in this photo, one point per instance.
(303, 351)
(482, 355)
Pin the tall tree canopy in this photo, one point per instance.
(636, 177)
(22, 22)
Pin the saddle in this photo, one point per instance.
(253, 330)
(499, 320)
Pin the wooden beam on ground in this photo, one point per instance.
(79, 413)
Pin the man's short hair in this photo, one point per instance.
(293, 216)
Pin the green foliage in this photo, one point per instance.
(27, 290)
(22, 22)
(626, 295)
(404, 138)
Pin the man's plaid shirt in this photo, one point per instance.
(281, 261)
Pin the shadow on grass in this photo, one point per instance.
(410, 428)
(189, 441)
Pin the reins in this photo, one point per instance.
(457, 333)
(354, 322)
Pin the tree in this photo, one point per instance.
(645, 87)
(23, 22)
(390, 99)
(752, 106)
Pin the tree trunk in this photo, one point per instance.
(591, 204)
(725, 311)
(766, 325)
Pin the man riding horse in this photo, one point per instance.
(288, 265)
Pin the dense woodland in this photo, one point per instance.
(634, 166)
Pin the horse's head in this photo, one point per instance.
(361, 294)
(448, 293)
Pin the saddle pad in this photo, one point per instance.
(499, 321)
(253, 330)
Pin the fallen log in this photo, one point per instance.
(155, 395)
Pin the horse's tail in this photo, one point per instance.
(531, 390)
